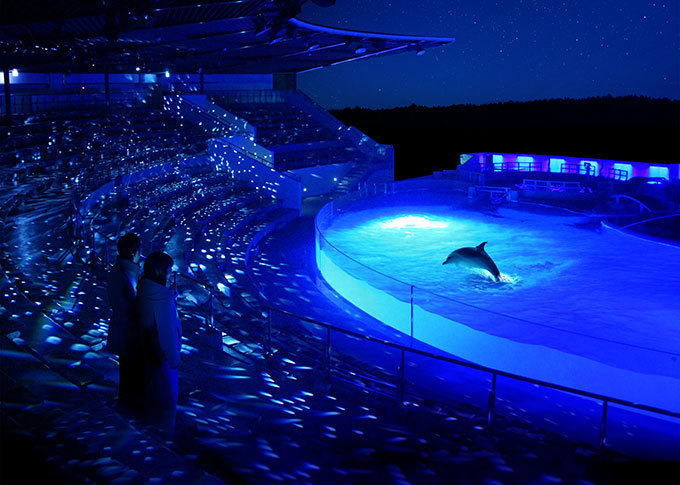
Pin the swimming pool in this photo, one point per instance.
(579, 305)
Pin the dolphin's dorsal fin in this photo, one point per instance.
(480, 248)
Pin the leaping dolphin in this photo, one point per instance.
(474, 258)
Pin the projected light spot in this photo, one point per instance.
(416, 222)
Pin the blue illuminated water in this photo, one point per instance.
(604, 304)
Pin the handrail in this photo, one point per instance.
(257, 158)
(471, 365)
(205, 285)
(650, 220)
(197, 107)
(617, 197)
(250, 154)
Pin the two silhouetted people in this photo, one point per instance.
(146, 334)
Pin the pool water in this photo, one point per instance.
(567, 285)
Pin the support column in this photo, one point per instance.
(107, 90)
(8, 99)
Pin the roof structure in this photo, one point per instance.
(228, 36)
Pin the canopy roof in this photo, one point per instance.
(232, 36)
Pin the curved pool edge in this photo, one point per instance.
(530, 360)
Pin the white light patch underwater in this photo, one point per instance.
(413, 222)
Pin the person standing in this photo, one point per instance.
(159, 322)
(124, 337)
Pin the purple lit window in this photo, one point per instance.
(525, 164)
(497, 163)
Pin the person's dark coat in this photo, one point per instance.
(160, 324)
(123, 337)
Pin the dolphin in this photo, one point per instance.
(474, 258)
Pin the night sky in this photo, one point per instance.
(512, 50)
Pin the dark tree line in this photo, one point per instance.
(630, 128)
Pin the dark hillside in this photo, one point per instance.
(620, 128)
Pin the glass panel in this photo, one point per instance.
(367, 364)
(381, 296)
(541, 407)
(641, 434)
(441, 380)
(308, 338)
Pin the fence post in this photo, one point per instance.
(492, 403)
(329, 362)
(400, 387)
(603, 425)
(268, 343)
(411, 315)
(211, 308)
(93, 254)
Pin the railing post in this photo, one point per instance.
(93, 253)
(411, 315)
(329, 361)
(603, 425)
(211, 309)
(400, 387)
(492, 403)
(174, 281)
(268, 343)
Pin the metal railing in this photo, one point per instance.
(83, 238)
(404, 351)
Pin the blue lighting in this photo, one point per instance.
(556, 164)
(589, 167)
(658, 172)
(415, 222)
(627, 168)
(497, 163)
(525, 164)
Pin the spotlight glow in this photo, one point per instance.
(415, 222)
